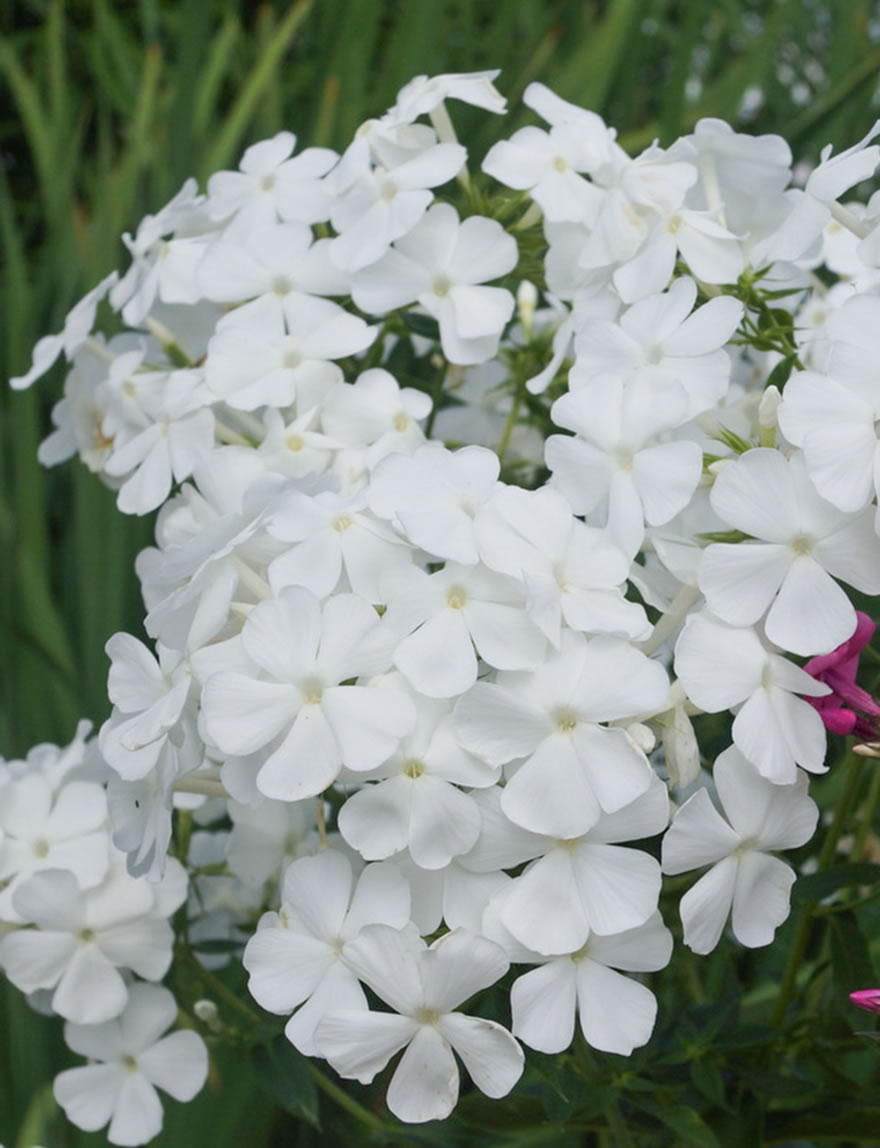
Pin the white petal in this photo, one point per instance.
(459, 965)
(178, 1064)
(618, 888)
(704, 907)
(285, 967)
(740, 581)
(360, 1044)
(425, 1084)
(760, 898)
(338, 989)
(90, 990)
(811, 614)
(138, 1115)
(616, 1014)
(543, 1002)
(492, 1057)
(552, 793)
(89, 1095)
(698, 836)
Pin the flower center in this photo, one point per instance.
(341, 522)
(560, 163)
(566, 721)
(456, 596)
(312, 691)
(441, 285)
(128, 1062)
(40, 848)
(413, 769)
(802, 545)
(401, 421)
(267, 182)
(295, 442)
(281, 285)
(292, 358)
(87, 936)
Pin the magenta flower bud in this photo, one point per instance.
(867, 999)
(848, 709)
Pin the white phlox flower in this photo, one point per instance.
(424, 986)
(761, 816)
(295, 700)
(297, 959)
(443, 264)
(129, 1059)
(574, 768)
(417, 803)
(725, 667)
(799, 543)
(272, 184)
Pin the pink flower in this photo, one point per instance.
(848, 709)
(866, 998)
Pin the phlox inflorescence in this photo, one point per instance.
(424, 698)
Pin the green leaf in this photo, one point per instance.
(688, 1126)
(286, 1075)
(859, 1124)
(779, 376)
(420, 324)
(817, 886)
(706, 1076)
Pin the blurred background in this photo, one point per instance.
(107, 107)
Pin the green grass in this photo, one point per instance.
(109, 106)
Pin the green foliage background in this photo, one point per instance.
(106, 108)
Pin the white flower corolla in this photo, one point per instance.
(456, 896)
(613, 465)
(294, 701)
(330, 537)
(161, 265)
(424, 986)
(129, 1059)
(265, 353)
(377, 415)
(422, 94)
(576, 885)
(762, 816)
(150, 715)
(572, 573)
(443, 264)
(174, 439)
(417, 804)
(77, 328)
(140, 813)
(832, 412)
(272, 183)
(40, 829)
(214, 548)
(575, 768)
(742, 177)
(433, 496)
(274, 261)
(443, 620)
(384, 204)
(801, 543)
(78, 417)
(293, 448)
(81, 940)
(615, 1013)
(663, 337)
(550, 166)
(723, 667)
(297, 957)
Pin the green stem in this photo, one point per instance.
(504, 441)
(221, 991)
(622, 1136)
(826, 856)
(351, 1106)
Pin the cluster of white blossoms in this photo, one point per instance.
(425, 649)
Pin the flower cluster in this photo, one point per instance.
(445, 563)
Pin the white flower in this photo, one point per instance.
(574, 768)
(423, 985)
(616, 1013)
(722, 667)
(763, 816)
(272, 183)
(81, 940)
(297, 959)
(130, 1059)
(800, 542)
(293, 700)
(442, 264)
(77, 328)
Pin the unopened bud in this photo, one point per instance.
(208, 1014)
(767, 408)
(526, 302)
(718, 465)
(642, 736)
